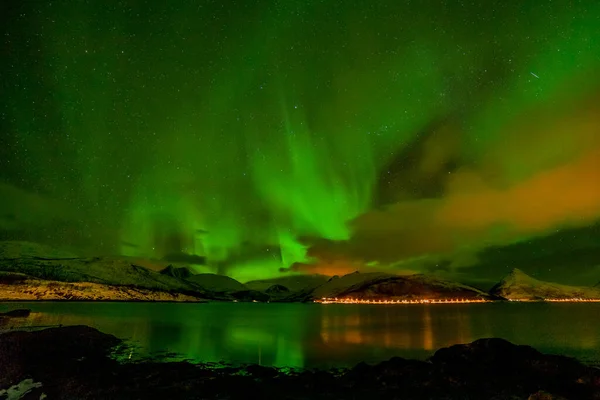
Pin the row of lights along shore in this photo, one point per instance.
(444, 301)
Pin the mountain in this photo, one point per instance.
(277, 290)
(15, 286)
(104, 270)
(379, 286)
(294, 283)
(519, 286)
(177, 272)
(39, 263)
(295, 288)
(216, 283)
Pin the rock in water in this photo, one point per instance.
(18, 313)
(488, 363)
(25, 354)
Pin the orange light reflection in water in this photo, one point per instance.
(339, 330)
(427, 330)
(398, 331)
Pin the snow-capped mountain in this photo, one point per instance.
(519, 286)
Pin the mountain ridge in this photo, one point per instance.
(377, 286)
(25, 266)
(517, 285)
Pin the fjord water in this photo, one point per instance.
(313, 335)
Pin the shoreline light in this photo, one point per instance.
(565, 300)
(336, 300)
(417, 301)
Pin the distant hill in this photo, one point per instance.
(104, 270)
(216, 283)
(177, 272)
(44, 263)
(277, 290)
(376, 285)
(15, 286)
(293, 283)
(519, 286)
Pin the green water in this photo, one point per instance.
(312, 335)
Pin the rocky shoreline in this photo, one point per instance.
(78, 362)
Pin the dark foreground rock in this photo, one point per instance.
(75, 363)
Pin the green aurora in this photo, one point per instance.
(251, 133)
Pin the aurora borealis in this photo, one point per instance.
(306, 136)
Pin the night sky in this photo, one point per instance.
(461, 138)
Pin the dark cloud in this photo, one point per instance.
(421, 167)
(485, 206)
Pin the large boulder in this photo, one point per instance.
(488, 364)
(26, 354)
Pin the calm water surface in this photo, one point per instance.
(314, 335)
